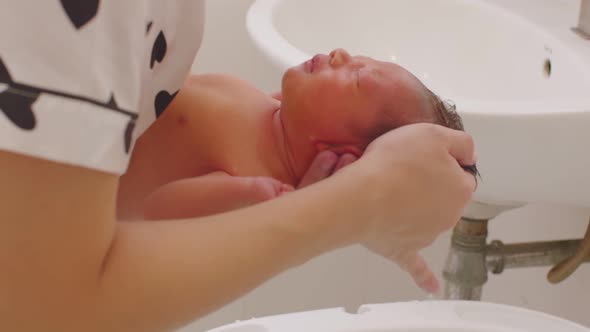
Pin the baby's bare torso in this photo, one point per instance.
(215, 123)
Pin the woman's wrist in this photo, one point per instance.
(326, 216)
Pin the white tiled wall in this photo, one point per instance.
(353, 276)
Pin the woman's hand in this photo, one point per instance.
(324, 165)
(412, 188)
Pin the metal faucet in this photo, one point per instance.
(583, 28)
(471, 258)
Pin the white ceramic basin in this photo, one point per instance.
(522, 89)
(424, 316)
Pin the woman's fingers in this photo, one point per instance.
(461, 147)
(321, 168)
(423, 276)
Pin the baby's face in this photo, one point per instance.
(340, 97)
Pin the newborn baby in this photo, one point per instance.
(222, 144)
(233, 145)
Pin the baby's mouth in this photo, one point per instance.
(314, 63)
(309, 64)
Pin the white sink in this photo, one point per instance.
(522, 89)
(415, 316)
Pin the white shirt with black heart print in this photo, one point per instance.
(80, 80)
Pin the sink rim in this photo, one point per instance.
(260, 27)
(443, 315)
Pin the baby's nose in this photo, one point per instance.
(339, 57)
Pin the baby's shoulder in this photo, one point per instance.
(220, 81)
(230, 94)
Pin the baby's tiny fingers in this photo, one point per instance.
(345, 160)
(286, 188)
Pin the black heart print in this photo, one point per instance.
(80, 12)
(159, 49)
(163, 99)
(18, 109)
(15, 104)
(4, 74)
(129, 134)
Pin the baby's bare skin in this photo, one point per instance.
(212, 150)
(223, 144)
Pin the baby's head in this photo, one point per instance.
(338, 100)
(342, 103)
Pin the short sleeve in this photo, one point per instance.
(81, 79)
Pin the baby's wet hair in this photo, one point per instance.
(447, 116)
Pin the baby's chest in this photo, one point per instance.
(241, 154)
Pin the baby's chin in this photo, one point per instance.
(295, 70)
(291, 77)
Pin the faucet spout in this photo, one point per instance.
(583, 28)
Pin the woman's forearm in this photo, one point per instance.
(67, 265)
(170, 272)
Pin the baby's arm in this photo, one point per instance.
(210, 194)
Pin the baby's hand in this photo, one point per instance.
(266, 188)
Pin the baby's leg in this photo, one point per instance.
(210, 194)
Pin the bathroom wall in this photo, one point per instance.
(353, 276)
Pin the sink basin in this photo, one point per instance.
(415, 316)
(523, 89)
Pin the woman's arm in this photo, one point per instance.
(72, 267)
(67, 263)
(57, 224)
